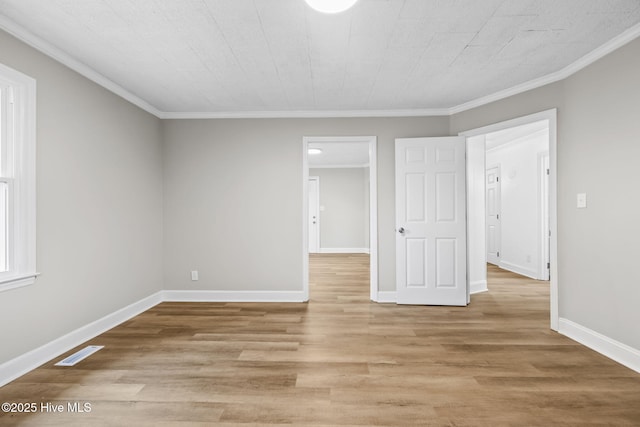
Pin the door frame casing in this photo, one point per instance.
(543, 194)
(551, 116)
(373, 207)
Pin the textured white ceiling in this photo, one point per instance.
(242, 56)
(340, 154)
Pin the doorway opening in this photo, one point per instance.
(538, 258)
(516, 190)
(343, 218)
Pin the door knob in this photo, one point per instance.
(401, 230)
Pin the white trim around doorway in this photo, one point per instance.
(551, 117)
(373, 207)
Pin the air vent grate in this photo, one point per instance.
(79, 355)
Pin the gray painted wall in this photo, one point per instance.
(99, 206)
(598, 152)
(343, 222)
(233, 197)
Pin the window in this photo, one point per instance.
(17, 179)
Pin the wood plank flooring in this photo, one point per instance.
(339, 360)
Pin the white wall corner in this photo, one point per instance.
(233, 296)
(478, 286)
(621, 353)
(387, 297)
(29, 361)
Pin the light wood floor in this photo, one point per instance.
(340, 360)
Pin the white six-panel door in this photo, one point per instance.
(494, 230)
(431, 254)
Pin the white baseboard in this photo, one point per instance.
(478, 286)
(621, 353)
(387, 297)
(519, 269)
(344, 250)
(19, 366)
(233, 296)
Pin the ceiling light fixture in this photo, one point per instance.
(314, 151)
(331, 6)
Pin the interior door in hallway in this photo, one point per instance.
(431, 254)
(314, 214)
(493, 215)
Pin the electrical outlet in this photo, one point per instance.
(581, 200)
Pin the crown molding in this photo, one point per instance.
(50, 50)
(306, 114)
(62, 57)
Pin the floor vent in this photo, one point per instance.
(79, 355)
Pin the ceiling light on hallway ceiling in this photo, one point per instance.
(331, 6)
(314, 151)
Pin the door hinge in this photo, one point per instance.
(548, 265)
(498, 254)
(497, 179)
(547, 171)
(497, 216)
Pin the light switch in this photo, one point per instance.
(321, 208)
(194, 275)
(581, 200)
